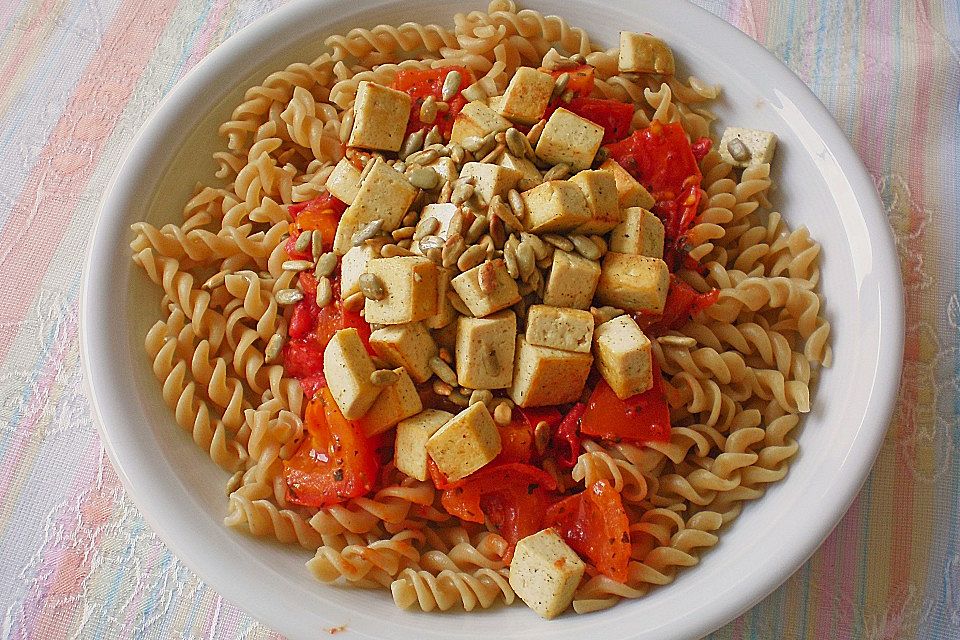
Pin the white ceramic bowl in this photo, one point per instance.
(822, 184)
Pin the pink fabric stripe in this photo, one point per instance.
(65, 565)
(213, 24)
(69, 157)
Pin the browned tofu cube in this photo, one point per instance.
(395, 402)
(572, 281)
(410, 283)
(630, 193)
(600, 189)
(407, 345)
(569, 139)
(641, 233)
(467, 442)
(624, 357)
(644, 53)
(527, 95)
(557, 205)
(560, 328)
(479, 302)
(543, 376)
(484, 353)
(633, 283)
(381, 115)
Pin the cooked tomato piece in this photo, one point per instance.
(420, 83)
(701, 147)
(565, 442)
(319, 214)
(516, 441)
(682, 302)
(335, 461)
(661, 159)
(595, 525)
(614, 116)
(581, 79)
(644, 417)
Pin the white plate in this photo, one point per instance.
(821, 183)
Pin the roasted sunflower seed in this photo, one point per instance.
(289, 296)
(297, 265)
(428, 110)
(412, 144)
(738, 150)
(371, 286)
(426, 227)
(559, 241)
(487, 277)
(461, 193)
(502, 414)
(443, 370)
(677, 341)
(384, 377)
(481, 396)
(585, 247)
(324, 292)
(517, 204)
(303, 241)
(274, 347)
(394, 251)
(433, 137)
(451, 84)
(533, 136)
(560, 85)
(471, 257)
(431, 242)
(424, 178)
(369, 230)
(557, 172)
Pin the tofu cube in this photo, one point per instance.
(347, 369)
(644, 53)
(545, 573)
(640, 233)
(572, 282)
(505, 293)
(396, 401)
(559, 328)
(557, 205)
(444, 213)
(446, 336)
(445, 311)
(476, 119)
(445, 167)
(600, 189)
(624, 358)
(411, 284)
(381, 116)
(344, 182)
(630, 193)
(760, 145)
(491, 179)
(410, 451)
(543, 376)
(406, 345)
(494, 102)
(354, 262)
(468, 441)
(633, 282)
(569, 138)
(384, 194)
(484, 351)
(530, 176)
(527, 95)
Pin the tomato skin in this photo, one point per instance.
(661, 159)
(565, 442)
(614, 116)
(335, 462)
(644, 417)
(580, 82)
(516, 441)
(421, 83)
(320, 214)
(701, 147)
(595, 525)
(682, 302)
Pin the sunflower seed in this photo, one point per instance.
(488, 143)
(297, 265)
(433, 137)
(526, 261)
(487, 277)
(369, 231)
(540, 249)
(498, 234)
(494, 155)
(477, 227)
(441, 388)
(567, 97)
(346, 125)
(384, 377)
(545, 263)
(458, 398)
(601, 244)
(428, 110)
(560, 85)
(410, 220)
(371, 286)
(431, 242)
(325, 264)
(451, 84)
(426, 227)
(510, 258)
(452, 249)
(445, 355)
(289, 296)
(605, 314)
(324, 292)
(677, 341)
(457, 222)
(303, 241)
(738, 150)
(502, 414)
(558, 241)
(434, 255)
(394, 251)
(502, 211)
(461, 193)
(422, 157)
(557, 172)
(585, 247)
(579, 58)
(541, 436)
(403, 233)
(424, 178)
(367, 166)
(517, 204)
(533, 136)
(455, 151)
(412, 144)
(471, 257)
(482, 396)
(274, 346)
(564, 63)
(515, 142)
(443, 370)
(354, 302)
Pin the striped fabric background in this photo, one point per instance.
(78, 77)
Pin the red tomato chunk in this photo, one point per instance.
(644, 417)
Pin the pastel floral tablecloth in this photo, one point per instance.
(78, 77)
